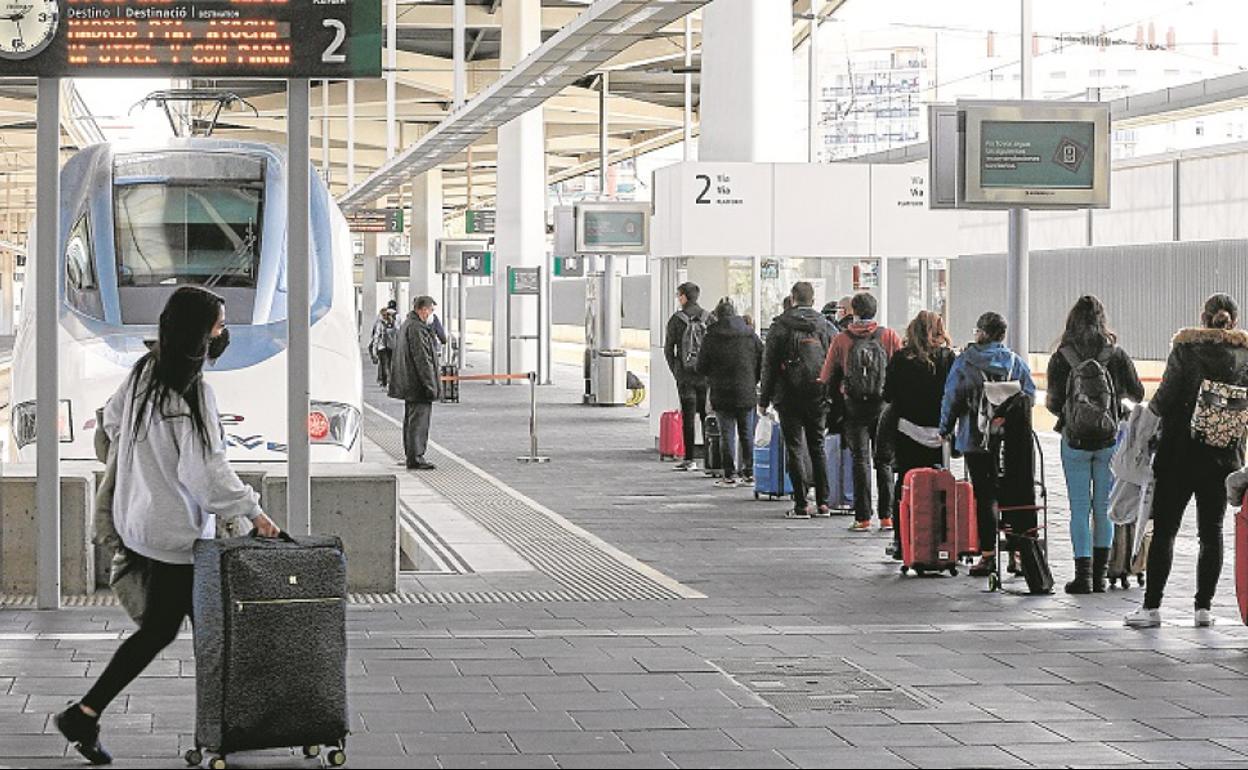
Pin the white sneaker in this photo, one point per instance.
(1143, 618)
(1204, 618)
(687, 465)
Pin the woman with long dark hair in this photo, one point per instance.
(914, 387)
(172, 478)
(1088, 376)
(1201, 403)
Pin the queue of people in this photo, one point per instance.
(838, 370)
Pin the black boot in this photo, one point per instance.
(1100, 568)
(84, 732)
(1082, 584)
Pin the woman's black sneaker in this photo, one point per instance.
(984, 567)
(84, 732)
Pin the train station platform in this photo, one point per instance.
(604, 611)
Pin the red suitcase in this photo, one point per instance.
(967, 529)
(929, 526)
(671, 436)
(1241, 559)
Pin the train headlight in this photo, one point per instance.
(330, 422)
(24, 423)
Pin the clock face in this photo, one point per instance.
(26, 28)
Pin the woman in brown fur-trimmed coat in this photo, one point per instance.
(1186, 464)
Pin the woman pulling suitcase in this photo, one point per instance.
(172, 478)
(914, 387)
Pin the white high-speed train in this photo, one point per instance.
(138, 223)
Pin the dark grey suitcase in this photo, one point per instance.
(270, 646)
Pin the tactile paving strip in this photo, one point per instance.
(105, 598)
(586, 572)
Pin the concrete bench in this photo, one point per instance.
(19, 533)
(358, 503)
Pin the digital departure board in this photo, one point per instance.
(191, 38)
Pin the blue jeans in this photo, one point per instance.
(1088, 482)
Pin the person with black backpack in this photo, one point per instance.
(855, 369)
(730, 359)
(796, 346)
(682, 343)
(984, 384)
(1088, 376)
(1203, 404)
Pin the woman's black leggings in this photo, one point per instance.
(168, 603)
(1175, 488)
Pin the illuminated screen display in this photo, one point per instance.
(209, 38)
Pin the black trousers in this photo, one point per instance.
(1175, 488)
(802, 425)
(737, 426)
(383, 366)
(692, 407)
(417, 415)
(861, 433)
(985, 474)
(168, 603)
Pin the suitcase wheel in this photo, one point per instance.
(905, 570)
(994, 582)
(337, 758)
(1138, 578)
(920, 571)
(217, 763)
(194, 757)
(953, 571)
(311, 751)
(755, 495)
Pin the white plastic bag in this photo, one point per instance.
(763, 429)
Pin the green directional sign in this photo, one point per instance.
(570, 267)
(1037, 154)
(478, 263)
(523, 280)
(480, 221)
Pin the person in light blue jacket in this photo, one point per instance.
(985, 359)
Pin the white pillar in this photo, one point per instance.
(426, 229)
(813, 107)
(1018, 256)
(747, 71)
(368, 293)
(350, 134)
(520, 240)
(460, 80)
(298, 340)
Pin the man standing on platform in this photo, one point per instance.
(414, 378)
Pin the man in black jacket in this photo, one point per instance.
(799, 338)
(685, 330)
(730, 360)
(414, 378)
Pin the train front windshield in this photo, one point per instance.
(180, 225)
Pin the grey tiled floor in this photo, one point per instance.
(1002, 680)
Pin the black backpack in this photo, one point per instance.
(866, 368)
(807, 352)
(1090, 414)
(691, 341)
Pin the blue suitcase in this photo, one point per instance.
(840, 474)
(770, 474)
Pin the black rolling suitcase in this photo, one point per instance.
(713, 440)
(270, 646)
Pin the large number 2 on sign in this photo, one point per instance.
(707, 188)
(331, 55)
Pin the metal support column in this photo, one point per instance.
(688, 143)
(1018, 260)
(460, 81)
(325, 130)
(812, 109)
(298, 373)
(392, 82)
(604, 127)
(47, 373)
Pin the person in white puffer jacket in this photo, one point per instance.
(173, 483)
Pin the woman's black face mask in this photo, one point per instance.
(217, 345)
